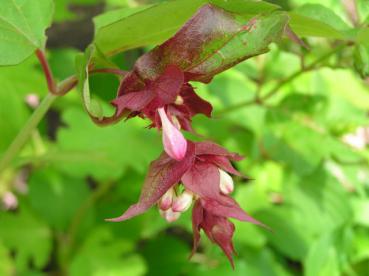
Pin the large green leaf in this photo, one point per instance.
(103, 254)
(55, 197)
(104, 153)
(22, 28)
(119, 31)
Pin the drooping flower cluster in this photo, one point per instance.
(201, 176)
(158, 88)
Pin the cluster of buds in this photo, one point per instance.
(174, 201)
(172, 204)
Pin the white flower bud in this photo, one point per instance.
(226, 182)
(182, 202)
(170, 215)
(32, 100)
(10, 201)
(166, 200)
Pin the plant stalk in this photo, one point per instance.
(23, 136)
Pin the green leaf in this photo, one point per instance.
(103, 254)
(22, 28)
(329, 253)
(55, 197)
(119, 31)
(317, 20)
(246, 8)
(131, 31)
(363, 36)
(172, 258)
(280, 220)
(28, 236)
(16, 83)
(361, 60)
(6, 264)
(104, 153)
(92, 106)
(323, 14)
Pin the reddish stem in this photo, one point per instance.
(47, 71)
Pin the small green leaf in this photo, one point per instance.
(361, 60)
(22, 28)
(317, 20)
(93, 106)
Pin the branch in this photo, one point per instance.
(47, 71)
(283, 82)
(22, 138)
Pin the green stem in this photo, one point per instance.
(25, 133)
(67, 243)
(283, 82)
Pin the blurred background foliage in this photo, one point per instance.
(306, 147)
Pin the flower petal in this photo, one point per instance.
(134, 101)
(228, 207)
(220, 230)
(210, 148)
(168, 85)
(175, 145)
(163, 174)
(203, 180)
(194, 103)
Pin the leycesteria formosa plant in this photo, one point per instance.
(159, 88)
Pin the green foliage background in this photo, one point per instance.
(308, 185)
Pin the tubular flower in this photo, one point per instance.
(203, 173)
(175, 145)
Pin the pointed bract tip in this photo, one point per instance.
(175, 145)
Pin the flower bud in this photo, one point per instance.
(166, 200)
(182, 202)
(10, 201)
(175, 145)
(170, 215)
(226, 182)
(32, 100)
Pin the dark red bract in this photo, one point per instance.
(169, 90)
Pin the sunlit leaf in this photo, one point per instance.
(22, 28)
